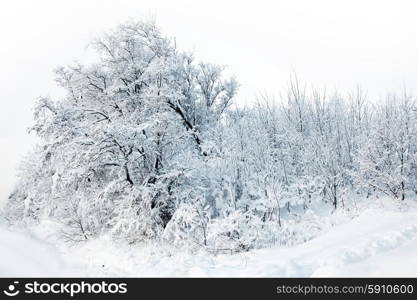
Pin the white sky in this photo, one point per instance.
(337, 44)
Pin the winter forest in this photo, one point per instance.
(151, 146)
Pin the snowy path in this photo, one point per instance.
(378, 243)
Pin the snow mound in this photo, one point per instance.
(25, 256)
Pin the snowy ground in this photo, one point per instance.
(377, 243)
(22, 255)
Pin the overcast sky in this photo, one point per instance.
(337, 44)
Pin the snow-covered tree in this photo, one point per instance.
(146, 145)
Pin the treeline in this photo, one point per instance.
(147, 145)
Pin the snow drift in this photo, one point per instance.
(378, 243)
